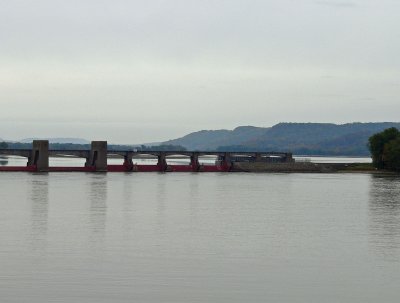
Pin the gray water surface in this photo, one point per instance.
(201, 237)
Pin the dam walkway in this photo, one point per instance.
(96, 159)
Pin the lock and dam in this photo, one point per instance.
(96, 159)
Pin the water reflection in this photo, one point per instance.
(194, 193)
(40, 208)
(161, 197)
(98, 207)
(128, 220)
(384, 210)
(328, 238)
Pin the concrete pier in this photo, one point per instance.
(289, 158)
(227, 161)
(98, 156)
(128, 162)
(194, 161)
(162, 161)
(39, 156)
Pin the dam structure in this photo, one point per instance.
(96, 159)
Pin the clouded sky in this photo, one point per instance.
(132, 71)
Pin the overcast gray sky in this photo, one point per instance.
(139, 71)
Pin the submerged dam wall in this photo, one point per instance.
(300, 167)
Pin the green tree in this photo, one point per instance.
(377, 144)
(391, 154)
(3, 145)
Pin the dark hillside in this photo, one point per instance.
(212, 139)
(301, 138)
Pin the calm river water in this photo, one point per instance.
(199, 237)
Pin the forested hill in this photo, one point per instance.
(300, 138)
(212, 139)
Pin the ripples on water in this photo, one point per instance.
(182, 237)
(384, 208)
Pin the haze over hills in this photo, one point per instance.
(300, 138)
(349, 139)
(58, 140)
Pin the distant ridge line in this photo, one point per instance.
(348, 139)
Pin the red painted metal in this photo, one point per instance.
(19, 168)
(125, 168)
(148, 168)
(180, 168)
(117, 168)
(33, 168)
(72, 169)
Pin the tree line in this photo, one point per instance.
(385, 149)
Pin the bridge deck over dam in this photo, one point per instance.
(96, 159)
